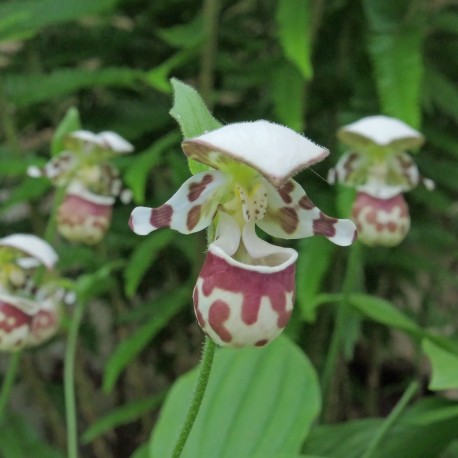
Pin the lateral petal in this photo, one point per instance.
(292, 215)
(190, 209)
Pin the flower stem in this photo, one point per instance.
(391, 419)
(199, 391)
(339, 327)
(207, 63)
(8, 381)
(69, 380)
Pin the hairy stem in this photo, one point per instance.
(199, 391)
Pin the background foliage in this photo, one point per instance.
(311, 65)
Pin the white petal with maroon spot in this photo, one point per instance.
(275, 151)
(191, 208)
(291, 215)
(380, 130)
(56, 168)
(351, 169)
(33, 246)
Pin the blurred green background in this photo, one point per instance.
(311, 65)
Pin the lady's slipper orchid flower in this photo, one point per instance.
(380, 169)
(92, 183)
(29, 314)
(245, 291)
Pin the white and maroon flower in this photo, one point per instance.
(84, 216)
(29, 314)
(380, 169)
(245, 291)
(92, 183)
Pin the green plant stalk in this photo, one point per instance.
(339, 327)
(8, 381)
(391, 419)
(209, 47)
(69, 380)
(208, 354)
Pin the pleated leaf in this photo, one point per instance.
(294, 31)
(259, 402)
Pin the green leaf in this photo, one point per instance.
(141, 452)
(131, 346)
(294, 30)
(405, 440)
(136, 175)
(193, 116)
(25, 90)
(398, 64)
(70, 123)
(312, 265)
(120, 416)
(384, 312)
(27, 17)
(144, 255)
(444, 366)
(288, 93)
(276, 389)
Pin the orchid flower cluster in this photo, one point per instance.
(245, 291)
(29, 308)
(381, 171)
(91, 183)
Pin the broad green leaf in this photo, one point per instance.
(131, 346)
(144, 255)
(398, 65)
(259, 402)
(384, 312)
(395, 46)
(25, 90)
(27, 17)
(193, 116)
(136, 176)
(312, 265)
(127, 413)
(141, 452)
(404, 440)
(444, 366)
(288, 92)
(70, 123)
(294, 20)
